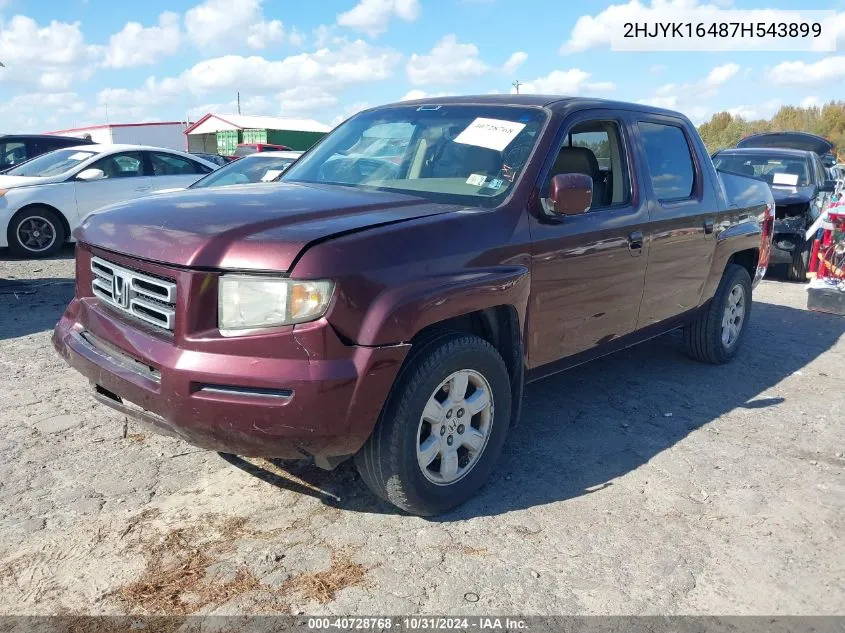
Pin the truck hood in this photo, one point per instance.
(792, 195)
(248, 227)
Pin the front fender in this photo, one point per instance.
(400, 312)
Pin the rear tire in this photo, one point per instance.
(716, 334)
(436, 441)
(800, 263)
(36, 232)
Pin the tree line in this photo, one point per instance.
(725, 130)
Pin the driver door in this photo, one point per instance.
(124, 178)
(588, 270)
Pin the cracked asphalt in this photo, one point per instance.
(643, 483)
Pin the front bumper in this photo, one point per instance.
(323, 400)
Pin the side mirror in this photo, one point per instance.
(91, 174)
(828, 186)
(571, 194)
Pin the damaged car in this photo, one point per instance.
(799, 184)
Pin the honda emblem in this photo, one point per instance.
(120, 290)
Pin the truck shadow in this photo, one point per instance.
(29, 306)
(582, 429)
(32, 305)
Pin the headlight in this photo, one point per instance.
(247, 303)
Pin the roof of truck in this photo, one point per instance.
(535, 101)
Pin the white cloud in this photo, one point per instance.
(351, 63)
(721, 74)
(373, 16)
(218, 24)
(296, 84)
(573, 81)
(448, 62)
(818, 73)
(810, 102)
(51, 57)
(296, 38)
(515, 61)
(349, 111)
(763, 110)
(303, 100)
(591, 31)
(687, 97)
(136, 45)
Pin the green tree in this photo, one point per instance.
(725, 130)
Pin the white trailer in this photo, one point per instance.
(169, 134)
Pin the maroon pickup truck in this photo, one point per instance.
(392, 310)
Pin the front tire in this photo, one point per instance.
(443, 426)
(36, 232)
(716, 334)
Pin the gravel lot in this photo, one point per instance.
(641, 483)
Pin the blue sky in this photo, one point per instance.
(77, 62)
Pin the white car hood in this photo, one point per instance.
(11, 182)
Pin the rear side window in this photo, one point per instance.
(669, 160)
(172, 165)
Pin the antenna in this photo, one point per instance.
(516, 85)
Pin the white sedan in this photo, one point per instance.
(44, 199)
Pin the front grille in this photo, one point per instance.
(150, 299)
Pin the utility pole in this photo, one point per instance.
(239, 102)
(516, 85)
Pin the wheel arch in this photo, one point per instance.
(500, 326)
(34, 205)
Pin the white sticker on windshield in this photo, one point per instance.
(490, 133)
(80, 156)
(496, 184)
(476, 179)
(271, 174)
(785, 179)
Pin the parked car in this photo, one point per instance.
(838, 172)
(17, 148)
(395, 316)
(245, 149)
(217, 159)
(263, 167)
(43, 200)
(801, 190)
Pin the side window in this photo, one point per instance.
(595, 148)
(669, 160)
(821, 172)
(12, 153)
(173, 165)
(123, 165)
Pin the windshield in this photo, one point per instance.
(461, 154)
(51, 164)
(778, 171)
(257, 168)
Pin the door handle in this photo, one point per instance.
(635, 243)
(708, 226)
